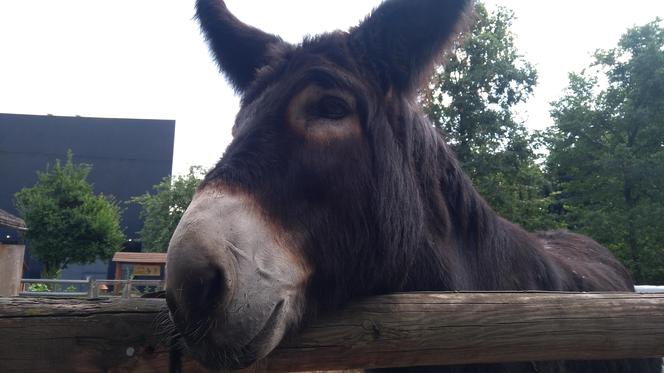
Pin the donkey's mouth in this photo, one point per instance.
(215, 350)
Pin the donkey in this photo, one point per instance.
(336, 186)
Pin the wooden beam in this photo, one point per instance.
(10, 221)
(412, 329)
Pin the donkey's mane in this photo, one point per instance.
(457, 229)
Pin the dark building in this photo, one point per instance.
(128, 156)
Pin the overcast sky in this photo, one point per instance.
(147, 59)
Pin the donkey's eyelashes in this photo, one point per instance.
(323, 115)
(331, 107)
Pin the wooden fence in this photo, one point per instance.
(414, 329)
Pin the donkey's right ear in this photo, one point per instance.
(240, 50)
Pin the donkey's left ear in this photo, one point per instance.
(402, 39)
(240, 50)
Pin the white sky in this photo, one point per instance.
(147, 59)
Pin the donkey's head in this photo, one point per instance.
(319, 198)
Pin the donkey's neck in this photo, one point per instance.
(473, 248)
(475, 225)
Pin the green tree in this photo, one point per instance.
(161, 212)
(607, 150)
(67, 223)
(471, 99)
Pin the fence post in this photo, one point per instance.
(93, 290)
(126, 291)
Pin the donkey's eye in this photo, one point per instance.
(332, 107)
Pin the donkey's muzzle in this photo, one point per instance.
(232, 287)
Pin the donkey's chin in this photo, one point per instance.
(228, 345)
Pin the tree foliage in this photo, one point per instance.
(68, 223)
(471, 100)
(607, 150)
(161, 212)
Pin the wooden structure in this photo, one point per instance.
(411, 329)
(11, 257)
(143, 265)
(151, 264)
(10, 221)
(11, 269)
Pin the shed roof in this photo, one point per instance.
(11, 221)
(140, 258)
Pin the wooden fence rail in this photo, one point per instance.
(119, 335)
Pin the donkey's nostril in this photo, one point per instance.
(216, 287)
(204, 289)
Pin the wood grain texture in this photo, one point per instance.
(11, 269)
(10, 221)
(387, 331)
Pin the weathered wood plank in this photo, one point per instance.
(394, 330)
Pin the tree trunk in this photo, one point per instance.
(50, 271)
(632, 239)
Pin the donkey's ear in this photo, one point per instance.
(239, 49)
(402, 39)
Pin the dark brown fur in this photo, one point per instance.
(390, 210)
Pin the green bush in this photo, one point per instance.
(39, 288)
(68, 223)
